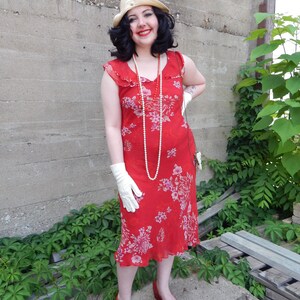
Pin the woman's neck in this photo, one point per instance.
(144, 54)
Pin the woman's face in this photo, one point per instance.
(143, 25)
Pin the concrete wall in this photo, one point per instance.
(53, 154)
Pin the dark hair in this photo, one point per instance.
(121, 38)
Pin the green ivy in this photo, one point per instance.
(278, 122)
(86, 241)
(262, 148)
(279, 231)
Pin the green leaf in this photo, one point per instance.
(295, 115)
(291, 162)
(272, 81)
(285, 129)
(260, 100)
(290, 19)
(279, 31)
(280, 92)
(259, 17)
(293, 103)
(255, 34)
(288, 146)
(291, 29)
(246, 82)
(290, 235)
(263, 123)
(271, 108)
(295, 57)
(262, 50)
(293, 84)
(278, 67)
(282, 67)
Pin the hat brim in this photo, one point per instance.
(118, 17)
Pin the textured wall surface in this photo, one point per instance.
(53, 154)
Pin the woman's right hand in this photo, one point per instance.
(126, 186)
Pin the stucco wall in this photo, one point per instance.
(53, 154)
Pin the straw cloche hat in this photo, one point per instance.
(126, 5)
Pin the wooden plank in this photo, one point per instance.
(294, 289)
(254, 263)
(212, 243)
(213, 210)
(295, 220)
(233, 252)
(275, 277)
(269, 245)
(200, 204)
(207, 227)
(57, 256)
(296, 209)
(274, 296)
(287, 220)
(265, 255)
(226, 193)
(280, 290)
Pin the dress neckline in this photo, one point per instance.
(145, 78)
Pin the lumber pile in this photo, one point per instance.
(277, 268)
(296, 216)
(206, 224)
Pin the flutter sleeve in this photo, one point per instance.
(176, 65)
(118, 71)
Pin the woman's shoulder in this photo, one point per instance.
(176, 62)
(174, 53)
(118, 71)
(114, 63)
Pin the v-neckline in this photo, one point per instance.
(145, 78)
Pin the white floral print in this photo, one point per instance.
(127, 145)
(140, 244)
(179, 186)
(151, 108)
(189, 223)
(161, 235)
(171, 153)
(136, 259)
(177, 84)
(127, 130)
(177, 170)
(136, 245)
(160, 217)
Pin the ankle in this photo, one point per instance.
(164, 291)
(123, 298)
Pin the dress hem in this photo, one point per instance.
(157, 259)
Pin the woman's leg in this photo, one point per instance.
(163, 277)
(125, 279)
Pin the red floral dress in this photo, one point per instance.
(166, 222)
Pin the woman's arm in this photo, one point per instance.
(112, 118)
(192, 78)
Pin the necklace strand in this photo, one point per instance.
(144, 120)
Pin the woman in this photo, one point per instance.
(151, 146)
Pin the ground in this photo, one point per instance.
(193, 289)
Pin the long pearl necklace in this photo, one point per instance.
(144, 119)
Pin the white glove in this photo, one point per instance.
(126, 187)
(187, 97)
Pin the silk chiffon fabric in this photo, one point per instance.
(166, 222)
